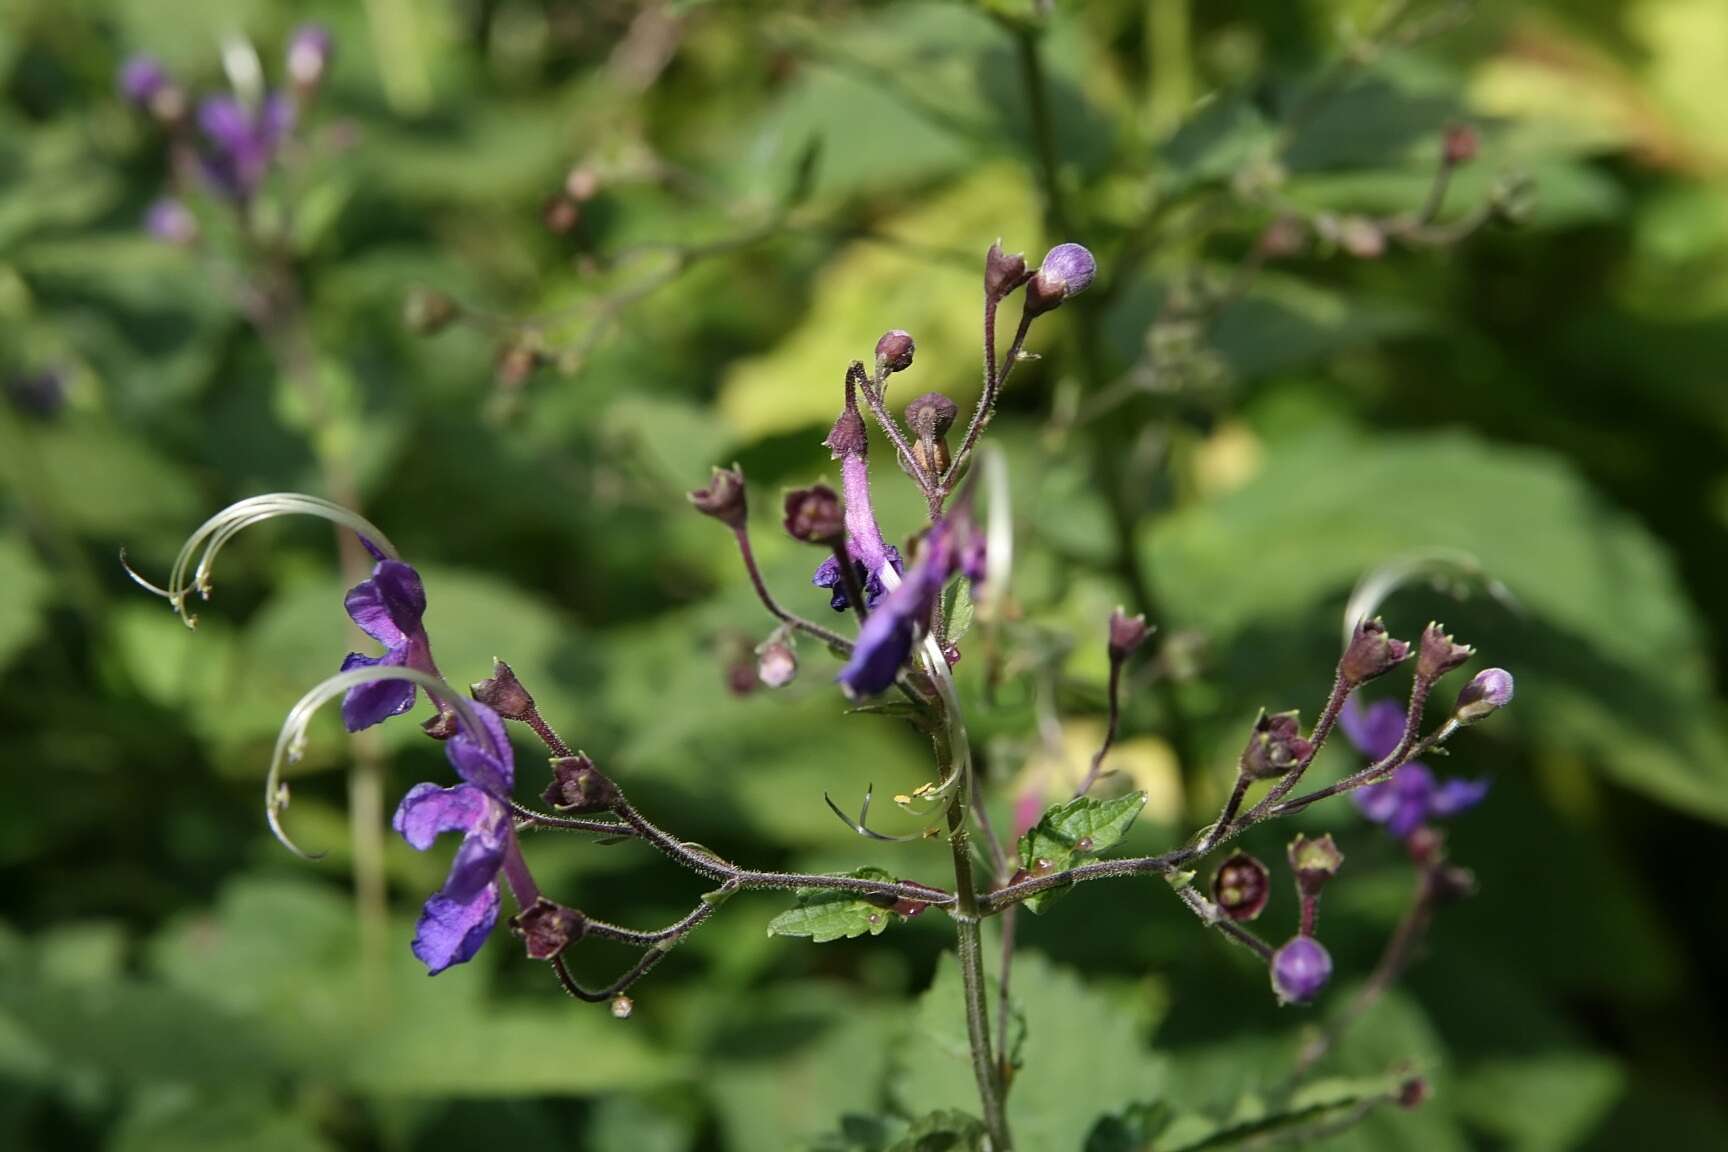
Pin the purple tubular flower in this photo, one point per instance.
(850, 443)
(1412, 796)
(390, 608)
(828, 576)
(142, 79)
(885, 639)
(243, 142)
(1300, 969)
(458, 917)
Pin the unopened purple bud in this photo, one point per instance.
(309, 52)
(1067, 271)
(142, 80)
(848, 437)
(171, 222)
(1488, 692)
(1371, 653)
(547, 928)
(1241, 886)
(814, 515)
(776, 664)
(894, 351)
(1127, 633)
(1461, 144)
(1003, 272)
(1439, 653)
(723, 498)
(1300, 969)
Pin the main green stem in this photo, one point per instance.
(968, 930)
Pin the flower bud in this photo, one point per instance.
(814, 515)
(1127, 633)
(581, 183)
(427, 312)
(309, 52)
(1439, 653)
(1412, 1092)
(1460, 145)
(1315, 860)
(1276, 745)
(1003, 272)
(1300, 969)
(1370, 653)
(894, 351)
(578, 786)
(171, 222)
(503, 693)
(560, 215)
(930, 416)
(547, 928)
(146, 85)
(40, 395)
(1488, 692)
(723, 498)
(776, 664)
(1240, 887)
(1067, 271)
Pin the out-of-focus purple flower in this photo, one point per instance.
(390, 608)
(457, 918)
(142, 79)
(243, 141)
(1412, 797)
(38, 394)
(309, 51)
(171, 222)
(885, 639)
(1300, 969)
(828, 576)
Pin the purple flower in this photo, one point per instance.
(309, 52)
(171, 222)
(243, 141)
(1300, 969)
(142, 79)
(1412, 797)
(390, 608)
(885, 639)
(828, 576)
(457, 918)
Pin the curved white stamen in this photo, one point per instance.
(1436, 564)
(999, 530)
(291, 741)
(213, 535)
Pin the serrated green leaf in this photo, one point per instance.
(1077, 828)
(825, 915)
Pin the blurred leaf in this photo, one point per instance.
(947, 1131)
(27, 594)
(1084, 1056)
(825, 915)
(189, 1121)
(111, 484)
(1543, 1102)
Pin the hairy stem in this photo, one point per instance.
(808, 627)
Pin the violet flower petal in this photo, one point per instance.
(373, 703)
(451, 931)
(474, 760)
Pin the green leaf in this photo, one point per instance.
(1084, 1056)
(824, 915)
(27, 592)
(945, 1131)
(1081, 827)
(1611, 658)
(958, 611)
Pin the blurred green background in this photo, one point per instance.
(762, 189)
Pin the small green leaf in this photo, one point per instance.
(945, 1131)
(1083, 826)
(825, 915)
(958, 610)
